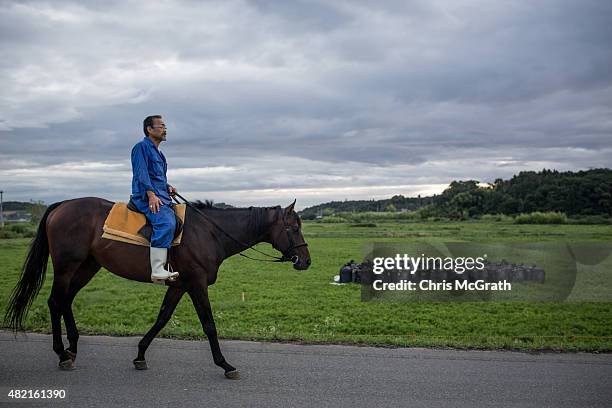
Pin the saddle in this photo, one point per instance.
(147, 230)
(126, 224)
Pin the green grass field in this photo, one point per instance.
(266, 301)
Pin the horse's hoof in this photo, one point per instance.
(67, 365)
(140, 364)
(71, 355)
(232, 375)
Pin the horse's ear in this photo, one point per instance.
(289, 209)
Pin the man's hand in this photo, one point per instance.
(171, 190)
(154, 202)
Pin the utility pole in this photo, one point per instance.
(1, 211)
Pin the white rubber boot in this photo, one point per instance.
(158, 261)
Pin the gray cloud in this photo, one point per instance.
(267, 101)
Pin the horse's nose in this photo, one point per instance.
(308, 262)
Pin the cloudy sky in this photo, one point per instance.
(267, 101)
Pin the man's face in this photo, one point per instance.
(158, 130)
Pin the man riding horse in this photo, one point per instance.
(151, 194)
(71, 233)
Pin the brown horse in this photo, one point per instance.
(71, 232)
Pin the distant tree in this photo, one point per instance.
(37, 210)
(328, 211)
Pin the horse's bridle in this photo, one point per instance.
(290, 254)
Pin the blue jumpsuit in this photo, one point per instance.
(149, 173)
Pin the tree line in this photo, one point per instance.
(395, 203)
(576, 194)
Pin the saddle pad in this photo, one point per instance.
(123, 225)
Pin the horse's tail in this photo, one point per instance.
(32, 277)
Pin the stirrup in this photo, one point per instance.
(171, 277)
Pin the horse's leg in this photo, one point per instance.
(199, 297)
(83, 275)
(62, 275)
(173, 296)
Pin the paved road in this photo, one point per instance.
(181, 374)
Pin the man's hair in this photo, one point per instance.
(149, 122)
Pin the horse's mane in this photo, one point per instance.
(201, 205)
(257, 215)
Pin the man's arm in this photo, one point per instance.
(141, 173)
(140, 169)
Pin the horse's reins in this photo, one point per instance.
(285, 258)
